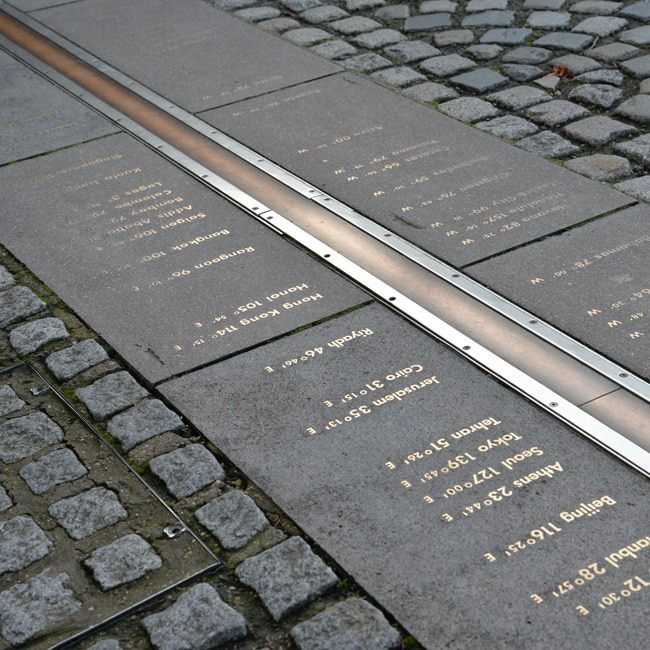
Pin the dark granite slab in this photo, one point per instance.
(190, 52)
(36, 116)
(475, 519)
(172, 275)
(452, 190)
(592, 282)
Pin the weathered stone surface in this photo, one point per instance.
(548, 145)
(29, 608)
(355, 25)
(111, 394)
(279, 25)
(307, 35)
(438, 6)
(564, 41)
(611, 77)
(548, 19)
(257, 14)
(447, 65)
(638, 36)
(323, 14)
(453, 37)
(638, 67)
(366, 62)
(601, 167)
(362, 5)
(287, 576)
(519, 98)
(26, 435)
(399, 77)
(639, 188)
(556, 112)
(68, 363)
(484, 52)
(431, 92)
(187, 470)
(636, 109)
(18, 303)
(334, 49)
(637, 149)
(410, 51)
(106, 644)
(489, 19)
(125, 560)
(602, 95)
(511, 127)
(393, 12)
(511, 36)
(528, 55)
(9, 401)
(475, 6)
(233, 518)
(198, 620)
(603, 7)
(144, 421)
(379, 38)
(29, 337)
(576, 63)
(6, 279)
(300, 5)
(86, 513)
(598, 130)
(5, 500)
(22, 542)
(60, 466)
(469, 109)
(613, 52)
(354, 625)
(481, 81)
(601, 26)
(520, 72)
(639, 11)
(427, 22)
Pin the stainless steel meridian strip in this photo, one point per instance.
(160, 123)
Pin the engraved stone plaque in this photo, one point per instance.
(593, 282)
(192, 53)
(36, 116)
(171, 274)
(474, 518)
(456, 192)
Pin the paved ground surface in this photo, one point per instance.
(566, 80)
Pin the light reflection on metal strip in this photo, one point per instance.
(509, 374)
(523, 318)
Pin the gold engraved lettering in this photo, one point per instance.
(545, 472)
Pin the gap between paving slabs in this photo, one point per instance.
(239, 607)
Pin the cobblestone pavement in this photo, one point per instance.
(110, 505)
(563, 79)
